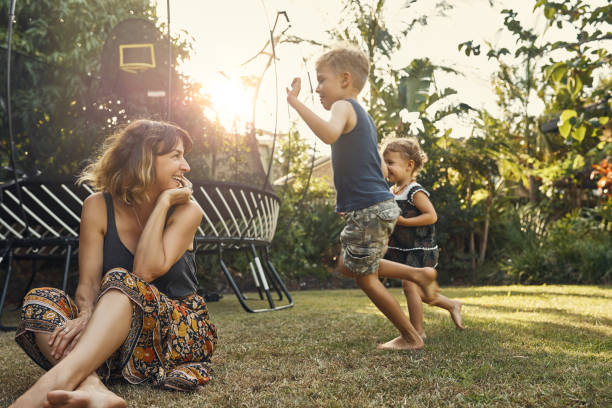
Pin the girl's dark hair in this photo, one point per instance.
(410, 149)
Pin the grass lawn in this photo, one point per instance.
(525, 346)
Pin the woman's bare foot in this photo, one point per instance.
(84, 399)
(455, 314)
(400, 343)
(429, 285)
(91, 393)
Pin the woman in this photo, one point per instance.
(136, 314)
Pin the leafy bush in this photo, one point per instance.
(573, 249)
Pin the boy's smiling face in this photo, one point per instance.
(332, 86)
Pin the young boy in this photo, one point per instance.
(363, 196)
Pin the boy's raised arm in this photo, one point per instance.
(328, 131)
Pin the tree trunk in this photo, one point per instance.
(469, 206)
(485, 235)
(532, 190)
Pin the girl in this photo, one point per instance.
(413, 239)
(136, 315)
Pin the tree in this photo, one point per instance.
(58, 114)
(562, 74)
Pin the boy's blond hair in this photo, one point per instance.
(347, 58)
(409, 148)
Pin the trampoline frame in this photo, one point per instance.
(236, 218)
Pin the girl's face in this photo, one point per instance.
(171, 167)
(400, 170)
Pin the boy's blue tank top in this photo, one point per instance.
(356, 163)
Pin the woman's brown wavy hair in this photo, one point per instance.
(124, 167)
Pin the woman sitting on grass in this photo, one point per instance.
(136, 314)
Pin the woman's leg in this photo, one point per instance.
(107, 329)
(415, 306)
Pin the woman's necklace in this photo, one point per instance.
(137, 218)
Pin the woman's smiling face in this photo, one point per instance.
(171, 167)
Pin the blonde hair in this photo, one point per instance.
(409, 149)
(346, 58)
(125, 166)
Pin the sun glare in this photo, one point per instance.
(231, 103)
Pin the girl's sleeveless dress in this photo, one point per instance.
(413, 246)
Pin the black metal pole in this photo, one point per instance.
(9, 115)
(169, 116)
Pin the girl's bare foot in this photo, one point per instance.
(455, 314)
(400, 343)
(430, 286)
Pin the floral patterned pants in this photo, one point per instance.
(169, 344)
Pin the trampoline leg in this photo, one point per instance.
(229, 278)
(7, 279)
(66, 267)
(271, 278)
(277, 277)
(31, 281)
(256, 279)
(262, 276)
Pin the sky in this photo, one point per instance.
(226, 34)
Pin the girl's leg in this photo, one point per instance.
(415, 306)
(387, 304)
(107, 329)
(453, 307)
(424, 277)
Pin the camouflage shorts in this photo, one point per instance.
(364, 238)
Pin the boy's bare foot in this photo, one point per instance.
(423, 335)
(455, 314)
(84, 399)
(430, 286)
(400, 343)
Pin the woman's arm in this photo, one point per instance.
(162, 243)
(91, 246)
(428, 214)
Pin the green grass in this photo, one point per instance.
(525, 346)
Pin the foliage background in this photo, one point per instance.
(517, 200)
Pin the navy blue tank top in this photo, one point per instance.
(356, 163)
(178, 282)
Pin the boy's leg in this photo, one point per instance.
(424, 277)
(415, 306)
(386, 303)
(105, 332)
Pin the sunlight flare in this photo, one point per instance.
(231, 102)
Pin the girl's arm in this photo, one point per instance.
(162, 243)
(428, 214)
(91, 246)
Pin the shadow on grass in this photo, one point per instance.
(543, 292)
(322, 353)
(561, 312)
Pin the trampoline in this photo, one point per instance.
(40, 215)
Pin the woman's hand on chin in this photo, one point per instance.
(177, 196)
